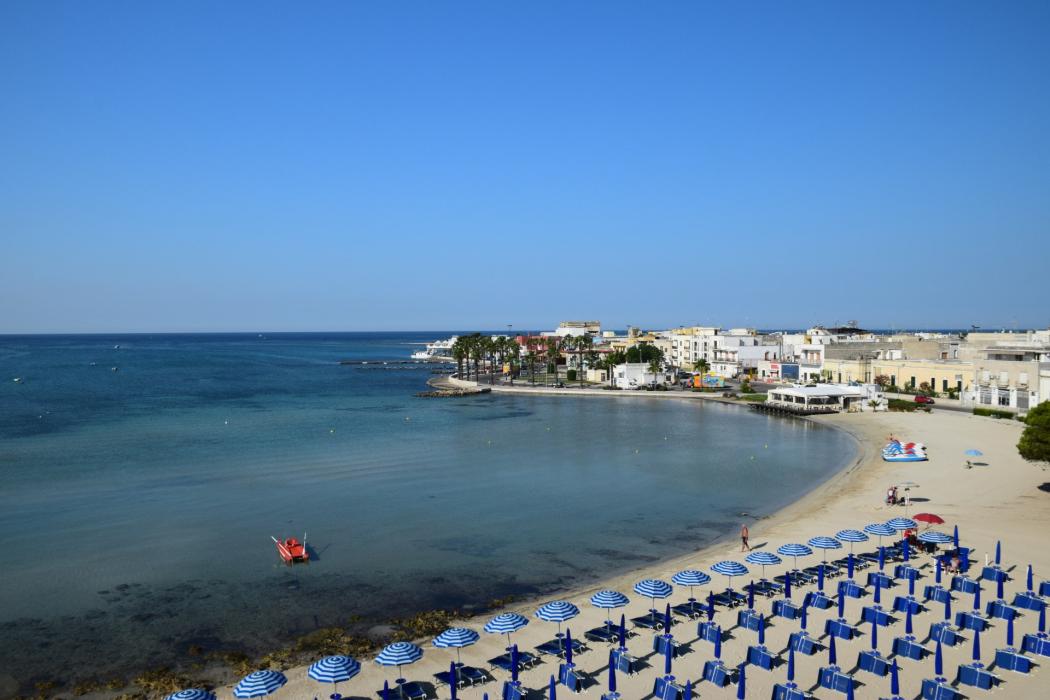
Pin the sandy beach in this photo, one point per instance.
(998, 499)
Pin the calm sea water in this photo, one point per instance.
(138, 504)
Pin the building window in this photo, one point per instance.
(944, 385)
(1004, 398)
(913, 382)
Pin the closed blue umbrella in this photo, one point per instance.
(506, 623)
(552, 689)
(938, 660)
(842, 602)
(761, 630)
(386, 691)
(874, 635)
(832, 656)
(820, 578)
(399, 654)
(907, 622)
(911, 586)
(557, 611)
(999, 588)
(805, 617)
(762, 559)
(514, 663)
(740, 691)
(718, 645)
(729, 569)
(568, 646)
(948, 607)
(976, 644)
(668, 652)
(192, 694)
(691, 578)
(1042, 619)
(608, 600)
(882, 558)
(937, 579)
(977, 598)
(688, 690)
(622, 632)
(456, 638)
(1028, 579)
(258, 684)
(907, 550)
(955, 536)
(849, 690)
(895, 681)
(667, 619)
(710, 606)
(787, 585)
(653, 588)
(998, 552)
(612, 672)
(791, 663)
(878, 590)
(794, 551)
(334, 669)
(1010, 632)
(849, 566)
(751, 595)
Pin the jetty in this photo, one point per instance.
(453, 393)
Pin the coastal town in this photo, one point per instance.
(821, 369)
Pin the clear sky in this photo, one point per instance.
(427, 165)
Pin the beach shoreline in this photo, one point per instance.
(850, 498)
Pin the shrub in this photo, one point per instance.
(902, 405)
(1035, 440)
(570, 375)
(993, 413)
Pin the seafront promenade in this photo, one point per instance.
(1002, 499)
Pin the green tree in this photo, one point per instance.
(654, 367)
(581, 345)
(644, 352)
(530, 358)
(460, 352)
(1035, 440)
(701, 366)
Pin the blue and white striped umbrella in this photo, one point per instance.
(879, 530)
(191, 694)
(762, 559)
(935, 537)
(505, 623)
(794, 551)
(691, 578)
(825, 543)
(456, 638)
(851, 536)
(334, 669)
(653, 588)
(557, 611)
(259, 683)
(399, 654)
(729, 569)
(607, 600)
(902, 524)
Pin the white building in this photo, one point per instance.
(635, 375)
(825, 398)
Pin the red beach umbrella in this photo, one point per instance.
(928, 518)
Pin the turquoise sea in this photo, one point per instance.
(138, 503)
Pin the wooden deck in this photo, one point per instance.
(793, 409)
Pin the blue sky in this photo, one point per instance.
(356, 166)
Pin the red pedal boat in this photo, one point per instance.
(292, 551)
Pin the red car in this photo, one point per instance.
(924, 399)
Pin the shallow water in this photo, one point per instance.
(143, 499)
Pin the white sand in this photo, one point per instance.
(1000, 500)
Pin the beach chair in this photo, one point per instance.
(444, 678)
(602, 634)
(693, 610)
(411, 690)
(652, 620)
(768, 588)
(474, 676)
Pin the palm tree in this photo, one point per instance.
(581, 345)
(654, 367)
(553, 350)
(701, 366)
(460, 353)
(477, 352)
(530, 357)
(513, 354)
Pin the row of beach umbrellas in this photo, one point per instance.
(339, 668)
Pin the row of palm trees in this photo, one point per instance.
(481, 350)
(486, 352)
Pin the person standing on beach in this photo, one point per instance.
(744, 534)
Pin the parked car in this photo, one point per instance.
(924, 399)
